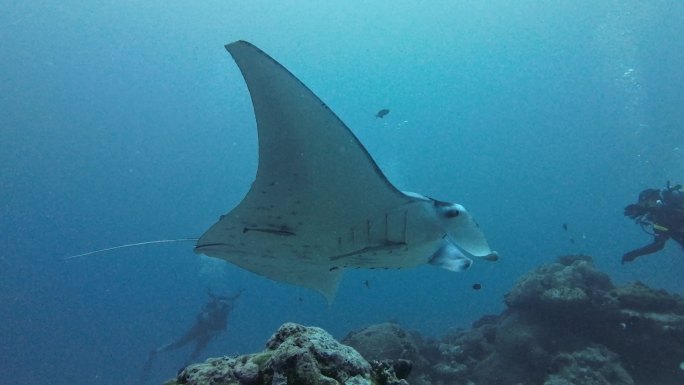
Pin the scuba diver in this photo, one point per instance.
(210, 322)
(663, 210)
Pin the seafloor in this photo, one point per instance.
(565, 324)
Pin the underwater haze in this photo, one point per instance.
(128, 121)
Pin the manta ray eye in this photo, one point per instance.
(446, 209)
(450, 212)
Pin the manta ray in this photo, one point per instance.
(320, 204)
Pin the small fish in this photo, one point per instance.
(477, 286)
(381, 114)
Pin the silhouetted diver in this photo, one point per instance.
(210, 322)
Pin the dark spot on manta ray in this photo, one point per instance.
(333, 268)
(281, 231)
(565, 226)
(382, 113)
(477, 286)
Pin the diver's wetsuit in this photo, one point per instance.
(210, 322)
(668, 222)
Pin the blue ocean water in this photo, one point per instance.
(128, 121)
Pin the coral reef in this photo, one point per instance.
(565, 323)
(300, 355)
(386, 341)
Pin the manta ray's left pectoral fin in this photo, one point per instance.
(450, 257)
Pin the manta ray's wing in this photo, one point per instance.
(314, 183)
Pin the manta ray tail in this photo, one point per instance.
(129, 245)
